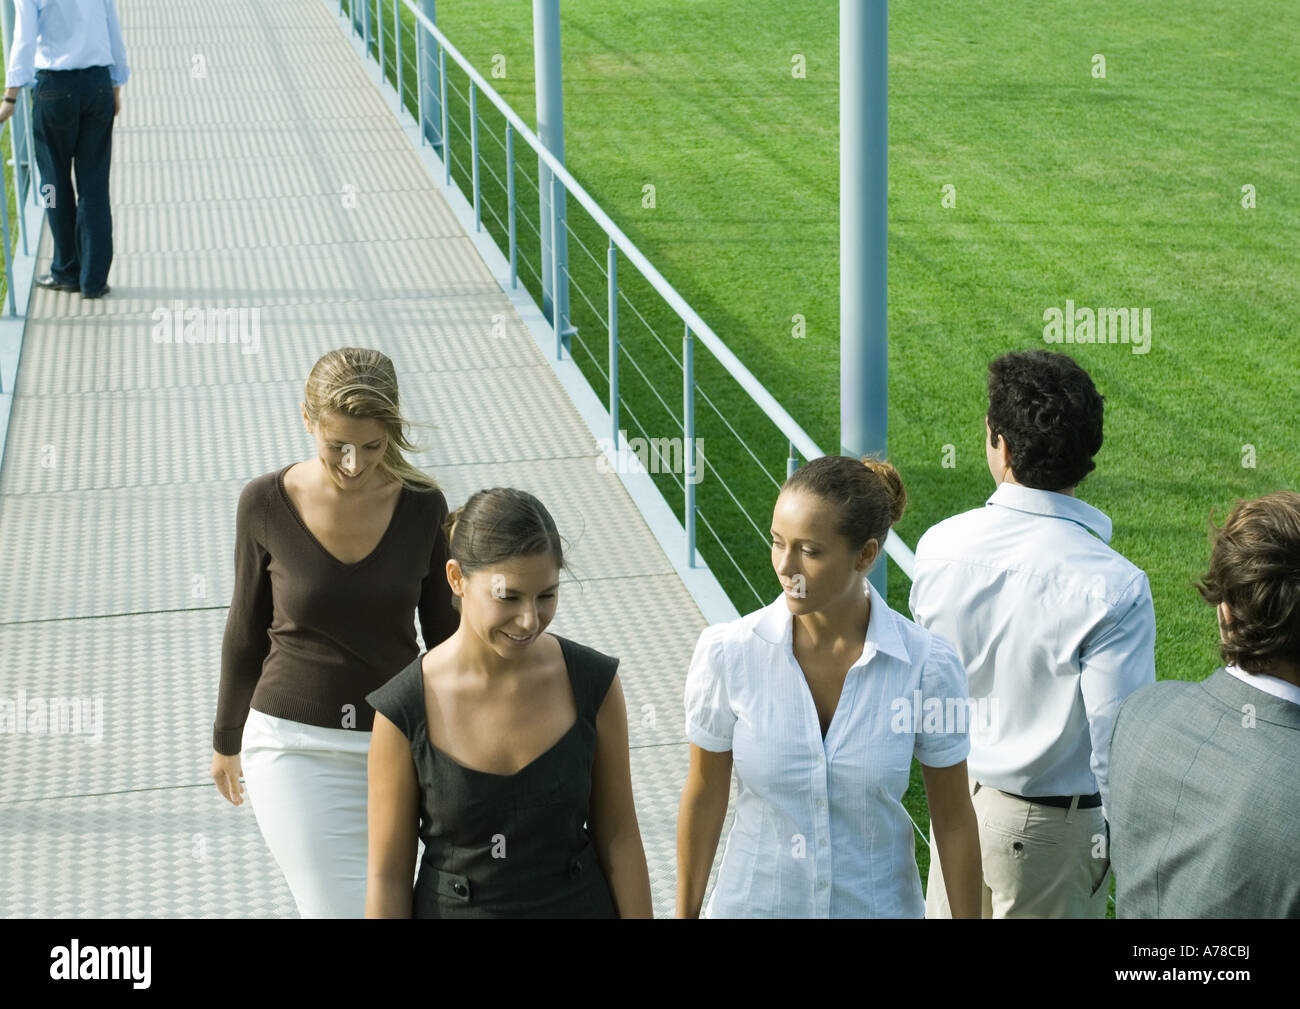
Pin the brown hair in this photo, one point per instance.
(497, 524)
(869, 493)
(361, 383)
(1255, 569)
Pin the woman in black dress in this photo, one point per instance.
(504, 748)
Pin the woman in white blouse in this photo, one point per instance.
(821, 700)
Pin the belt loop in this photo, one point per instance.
(1074, 804)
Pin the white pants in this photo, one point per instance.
(307, 787)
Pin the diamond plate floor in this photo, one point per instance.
(125, 456)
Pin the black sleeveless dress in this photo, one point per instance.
(507, 845)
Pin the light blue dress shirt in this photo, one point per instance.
(820, 830)
(65, 35)
(1054, 628)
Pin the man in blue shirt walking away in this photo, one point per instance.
(72, 51)
(1055, 629)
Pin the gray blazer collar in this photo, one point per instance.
(1231, 692)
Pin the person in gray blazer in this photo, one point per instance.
(1205, 777)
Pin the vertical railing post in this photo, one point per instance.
(4, 224)
(32, 185)
(19, 171)
(430, 126)
(397, 48)
(556, 224)
(688, 446)
(510, 204)
(419, 78)
(473, 151)
(864, 234)
(791, 462)
(379, 13)
(611, 268)
(442, 77)
(548, 85)
(365, 25)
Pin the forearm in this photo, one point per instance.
(22, 51)
(623, 860)
(958, 845)
(240, 671)
(388, 896)
(699, 827)
(120, 70)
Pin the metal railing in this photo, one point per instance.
(17, 170)
(6, 133)
(396, 33)
(16, 156)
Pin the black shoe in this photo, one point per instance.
(49, 281)
(98, 294)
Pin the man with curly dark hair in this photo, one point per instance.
(1055, 630)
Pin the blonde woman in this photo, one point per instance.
(333, 558)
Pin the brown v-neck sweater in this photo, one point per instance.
(307, 636)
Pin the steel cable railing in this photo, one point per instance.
(420, 50)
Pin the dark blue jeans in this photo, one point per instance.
(72, 125)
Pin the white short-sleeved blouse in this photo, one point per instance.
(820, 830)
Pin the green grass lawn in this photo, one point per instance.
(1117, 191)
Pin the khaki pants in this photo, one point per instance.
(1038, 860)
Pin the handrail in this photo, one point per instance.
(695, 325)
(788, 425)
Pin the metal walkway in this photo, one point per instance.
(125, 456)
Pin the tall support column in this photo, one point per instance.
(550, 130)
(864, 151)
(432, 125)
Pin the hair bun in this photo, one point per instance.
(449, 524)
(893, 484)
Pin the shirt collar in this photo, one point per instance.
(775, 625)
(1052, 505)
(1274, 685)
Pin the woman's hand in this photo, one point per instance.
(226, 772)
